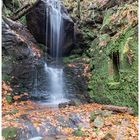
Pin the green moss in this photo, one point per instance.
(78, 132)
(112, 81)
(42, 47)
(9, 99)
(92, 116)
(9, 133)
(14, 111)
(6, 77)
(103, 88)
(114, 85)
(70, 59)
(23, 20)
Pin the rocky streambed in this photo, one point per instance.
(88, 121)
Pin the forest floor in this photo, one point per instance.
(82, 122)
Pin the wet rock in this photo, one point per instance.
(77, 82)
(12, 44)
(75, 120)
(52, 130)
(19, 59)
(63, 121)
(59, 137)
(98, 122)
(37, 26)
(69, 103)
(24, 134)
(37, 23)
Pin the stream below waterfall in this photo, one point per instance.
(53, 86)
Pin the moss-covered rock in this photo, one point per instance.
(111, 44)
(115, 71)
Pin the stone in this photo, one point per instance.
(19, 59)
(48, 138)
(106, 113)
(58, 137)
(65, 104)
(98, 112)
(109, 136)
(74, 120)
(102, 113)
(98, 122)
(62, 121)
(61, 137)
(37, 26)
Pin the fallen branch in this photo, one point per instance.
(118, 109)
(23, 10)
(20, 9)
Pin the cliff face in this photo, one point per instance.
(20, 55)
(108, 32)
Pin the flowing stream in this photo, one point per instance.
(50, 82)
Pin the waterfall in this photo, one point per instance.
(54, 25)
(54, 34)
(56, 86)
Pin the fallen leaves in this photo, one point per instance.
(16, 98)
(113, 125)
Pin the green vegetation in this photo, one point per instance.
(6, 77)
(9, 133)
(92, 116)
(9, 99)
(23, 20)
(42, 47)
(79, 132)
(71, 58)
(114, 65)
(112, 48)
(14, 111)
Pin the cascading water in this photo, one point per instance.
(56, 85)
(54, 25)
(54, 34)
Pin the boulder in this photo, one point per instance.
(36, 23)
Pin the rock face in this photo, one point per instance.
(77, 82)
(19, 59)
(37, 26)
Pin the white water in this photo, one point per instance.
(56, 85)
(54, 26)
(54, 34)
